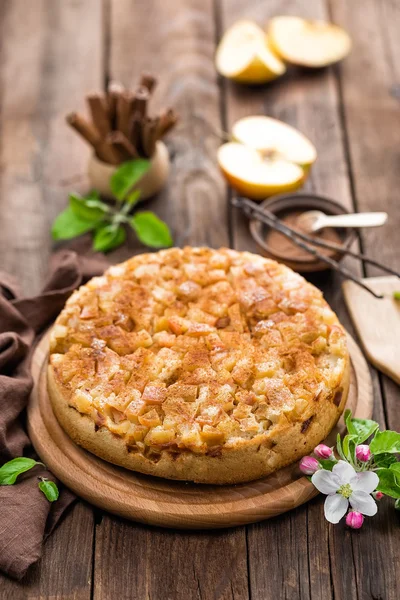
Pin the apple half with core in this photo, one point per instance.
(308, 43)
(244, 55)
(267, 157)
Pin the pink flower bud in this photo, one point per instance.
(363, 453)
(378, 495)
(308, 465)
(323, 451)
(354, 519)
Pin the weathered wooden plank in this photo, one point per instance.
(175, 41)
(51, 55)
(372, 116)
(137, 562)
(65, 569)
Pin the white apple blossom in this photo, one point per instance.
(344, 485)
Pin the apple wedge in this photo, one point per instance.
(271, 135)
(257, 175)
(308, 43)
(244, 55)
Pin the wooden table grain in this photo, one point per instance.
(54, 51)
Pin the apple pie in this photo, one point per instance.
(213, 366)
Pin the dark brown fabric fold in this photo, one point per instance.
(26, 517)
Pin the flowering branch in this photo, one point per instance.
(363, 473)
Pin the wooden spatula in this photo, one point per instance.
(377, 322)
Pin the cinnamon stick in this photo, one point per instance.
(89, 132)
(168, 118)
(122, 145)
(135, 131)
(115, 89)
(124, 113)
(140, 100)
(148, 81)
(149, 137)
(99, 111)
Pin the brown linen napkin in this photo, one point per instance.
(26, 517)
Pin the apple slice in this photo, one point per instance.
(256, 175)
(243, 55)
(266, 135)
(308, 43)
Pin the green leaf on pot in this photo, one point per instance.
(108, 237)
(151, 230)
(133, 198)
(128, 175)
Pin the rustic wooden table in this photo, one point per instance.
(52, 52)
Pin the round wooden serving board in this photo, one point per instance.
(169, 503)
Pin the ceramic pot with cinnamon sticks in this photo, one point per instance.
(120, 130)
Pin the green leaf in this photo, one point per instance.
(150, 230)
(349, 447)
(133, 198)
(388, 483)
(385, 441)
(128, 175)
(395, 467)
(396, 295)
(10, 470)
(362, 429)
(88, 209)
(327, 464)
(339, 447)
(67, 225)
(108, 237)
(384, 460)
(49, 489)
(397, 504)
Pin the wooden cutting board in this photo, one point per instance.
(377, 322)
(168, 503)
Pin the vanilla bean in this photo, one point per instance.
(251, 210)
(122, 145)
(148, 81)
(99, 111)
(331, 245)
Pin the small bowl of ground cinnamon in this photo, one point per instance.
(288, 208)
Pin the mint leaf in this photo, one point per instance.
(108, 237)
(88, 209)
(388, 483)
(384, 460)
(10, 470)
(150, 230)
(133, 198)
(67, 225)
(49, 489)
(128, 174)
(385, 441)
(362, 429)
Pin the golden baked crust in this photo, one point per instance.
(214, 366)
